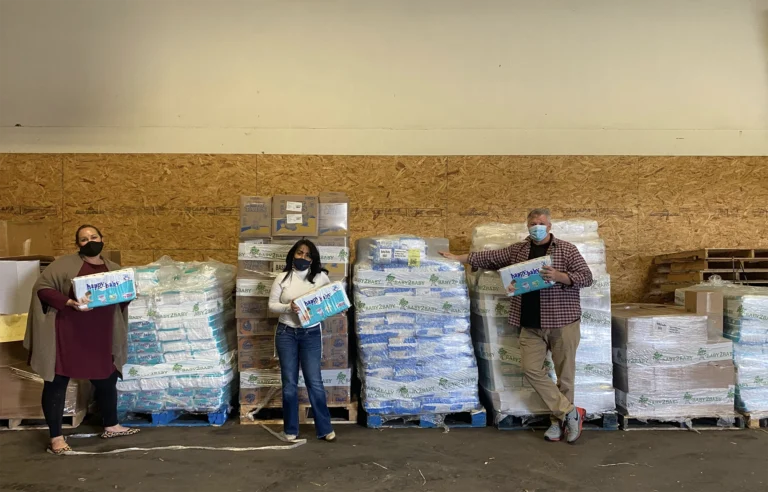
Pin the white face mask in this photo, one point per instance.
(538, 232)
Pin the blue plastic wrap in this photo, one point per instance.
(415, 351)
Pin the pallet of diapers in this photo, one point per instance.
(412, 323)
(182, 340)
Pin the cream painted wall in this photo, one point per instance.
(393, 77)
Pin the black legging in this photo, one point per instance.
(55, 394)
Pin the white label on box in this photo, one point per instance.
(294, 218)
(333, 210)
(385, 254)
(293, 206)
(401, 254)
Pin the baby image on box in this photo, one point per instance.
(525, 277)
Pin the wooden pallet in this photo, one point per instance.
(341, 413)
(175, 418)
(606, 422)
(458, 420)
(71, 421)
(712, 254)
(755, 421)
(633, 423)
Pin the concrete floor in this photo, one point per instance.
(394, 460)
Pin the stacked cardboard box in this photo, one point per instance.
(269, 227)
(667, 367)
(20, 387)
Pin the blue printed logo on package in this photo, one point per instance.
(322, 303)
(525, 277)
(104, 289)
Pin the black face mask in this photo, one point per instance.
(91, 249)
(301, 264)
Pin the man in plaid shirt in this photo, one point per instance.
(548, 319)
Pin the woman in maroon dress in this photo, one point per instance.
(87, 343)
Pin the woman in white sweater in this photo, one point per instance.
(296, 345)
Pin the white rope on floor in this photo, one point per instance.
(293, 445)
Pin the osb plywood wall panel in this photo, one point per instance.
(186, 206)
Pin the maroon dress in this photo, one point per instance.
(83, 339)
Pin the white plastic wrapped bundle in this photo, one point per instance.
(181, 329)
(746, 324)
(490, 310)
(415, 352)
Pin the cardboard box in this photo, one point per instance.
(12, 353)
(17, 278)
(335, 351)
(25, 238)
(13, 327)
(294, 215)
(336, 325)
(253, 268)
(638, 379)
(256, 326)
(641, 323)
(710, 304)
(253, 307)
(20, 397)
(254, 286)
(257, 353)
(272, 396)
(268, 396)
(255, 217)
(334, 214)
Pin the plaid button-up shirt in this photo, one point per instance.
(560, 304)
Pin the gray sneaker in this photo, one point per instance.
(573, 424)
(554, 433)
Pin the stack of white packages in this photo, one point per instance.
(415, 353)
(746, 324)
(181, 339)
(496, 343)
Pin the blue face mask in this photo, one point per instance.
(538, 232)
(301, 264)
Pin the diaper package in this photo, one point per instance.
(322, 303)
(524, 277)
(103, 289)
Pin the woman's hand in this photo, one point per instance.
(81, 305)
(294, 307)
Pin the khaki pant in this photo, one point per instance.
(562, 342)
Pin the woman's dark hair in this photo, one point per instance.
(314, 268)
(86, 226)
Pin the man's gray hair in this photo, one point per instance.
(538, 212)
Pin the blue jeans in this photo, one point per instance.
(294, 346)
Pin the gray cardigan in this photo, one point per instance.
(40, 339)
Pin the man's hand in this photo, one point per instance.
(551, 275)
(451, 256)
